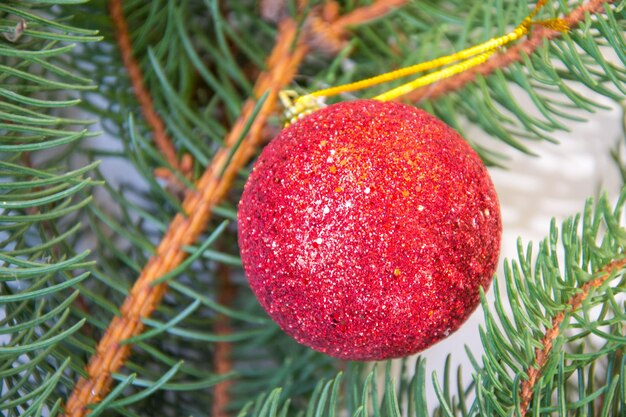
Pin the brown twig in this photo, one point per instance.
(161, 139)
(542, 354)
(221, 358)
(367, 13)
(510, 56)
(328, 31)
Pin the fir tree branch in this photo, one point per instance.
(510, 56)
(161, 138)
(145, 296)
(541, 354)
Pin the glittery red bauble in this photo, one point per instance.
(367, 228)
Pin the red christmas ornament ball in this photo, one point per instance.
(367, 228)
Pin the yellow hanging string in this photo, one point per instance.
(433, 77)
(462, 60)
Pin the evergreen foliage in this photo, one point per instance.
(75, 233)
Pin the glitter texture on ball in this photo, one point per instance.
(367, 228)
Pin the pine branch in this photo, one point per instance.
(145, 296)
(542, 354)
(42, 198)
(514, 54)
(163, 142)
(184, 230)
(539, 289)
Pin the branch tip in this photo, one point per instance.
(542, 354)
(161, 138)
